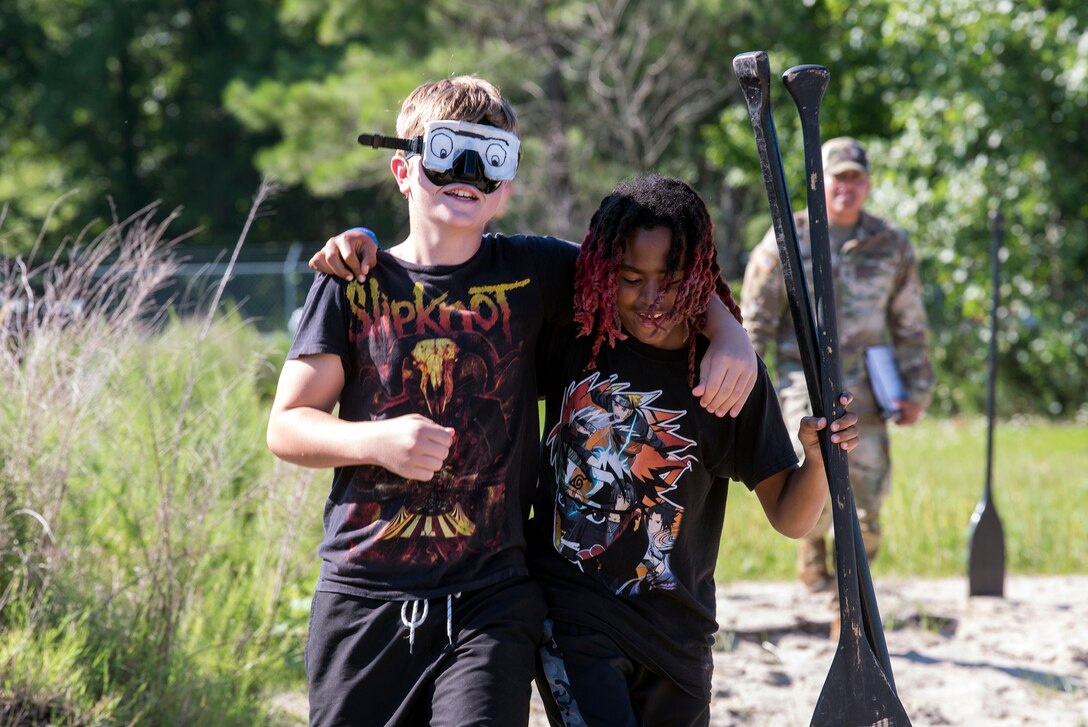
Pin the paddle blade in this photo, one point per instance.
(986, 552)
(856, 692)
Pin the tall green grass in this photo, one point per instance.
(155, 560)
(1040, 486)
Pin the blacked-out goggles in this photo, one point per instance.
(459, 152)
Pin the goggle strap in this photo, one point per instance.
(378, 141)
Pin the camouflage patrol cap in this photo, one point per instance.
(844, 154)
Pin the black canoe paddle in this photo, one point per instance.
(986, 537)
(806, 84)
(857, 690)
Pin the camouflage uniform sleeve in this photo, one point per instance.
(763, 294)
(909, 327)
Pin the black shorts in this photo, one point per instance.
(586, 680)
(363, 671)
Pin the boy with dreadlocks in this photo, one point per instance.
(629, 514)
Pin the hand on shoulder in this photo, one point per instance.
(349, 255)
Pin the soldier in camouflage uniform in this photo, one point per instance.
(878, 300)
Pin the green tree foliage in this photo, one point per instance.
(982, 106)
(601, 92)
(966, 106)
(364, 58)
(121, 100)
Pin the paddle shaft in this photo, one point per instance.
(753, 72)
(991, 368)
(807, 84)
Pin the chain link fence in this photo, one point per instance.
(267, 285)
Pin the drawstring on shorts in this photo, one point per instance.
(414, 622)
(417, 618)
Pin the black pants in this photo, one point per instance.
(586, 680)
(363, 671)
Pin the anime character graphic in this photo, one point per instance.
(619, 463)
(630, 427)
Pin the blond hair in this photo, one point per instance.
(461, 98)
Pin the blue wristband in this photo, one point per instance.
(368, 232)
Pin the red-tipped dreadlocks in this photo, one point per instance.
(645, 202)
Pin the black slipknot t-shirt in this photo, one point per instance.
(455, 344)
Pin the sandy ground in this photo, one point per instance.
(1017, 660)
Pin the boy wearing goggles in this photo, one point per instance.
(424, 612)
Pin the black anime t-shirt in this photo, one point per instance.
(628, 517)
(455, 344)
